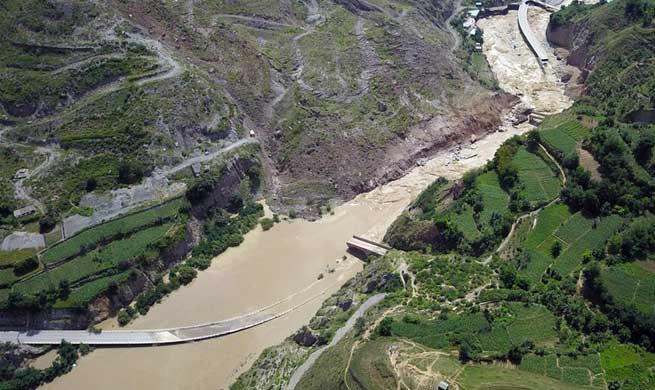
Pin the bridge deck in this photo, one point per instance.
(177, 335)
(138, 337)
(367, 246)
(528, 34)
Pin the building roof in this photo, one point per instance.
(22, 173)
(24, 211)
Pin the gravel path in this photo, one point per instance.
(339, 334)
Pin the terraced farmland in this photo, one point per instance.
(584, 370)
(575, 233)
(94, 262)
(91, 237)
(563, 134)
(539, 184)
(534, 323)
(631, 283)
(465, 222)
(495, 199)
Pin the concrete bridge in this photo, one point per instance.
(367, 247)
(528, 34)
(177, 335)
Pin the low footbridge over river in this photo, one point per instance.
(177, 335)
(183, 334)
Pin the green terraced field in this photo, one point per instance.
(576, 234)
(94, 262)
(583, 370)
(80, 297)
(12, 257)
(534, 323)
(539, 184)
(625, 361)
(91, 237)
(592, 239)
(495, 199)
(563, 134)
(7, 276)
(466, 223)
(631, 283)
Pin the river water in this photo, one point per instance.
(285, 260)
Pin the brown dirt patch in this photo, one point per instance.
(589, 163)
(588, 122)
(648, 265)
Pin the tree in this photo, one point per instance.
(26, 266)
(508, 275)
(47, 222)
(91, 184)
(124, 317)
(64, 289)
(130, 172)
(644, 149)
(533, 140)
(556, 249)
(465, 351)
(186, 274)
(384, 329)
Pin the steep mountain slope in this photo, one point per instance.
(342, 95)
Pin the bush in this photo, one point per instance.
(124, 317)
(556, 249)
(384, 329)
(185, 274)
(26, 266)
(267, 223)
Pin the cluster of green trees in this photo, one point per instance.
(14, 377)
(625, 320)
(221, 231)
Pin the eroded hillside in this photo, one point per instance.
(342, 95)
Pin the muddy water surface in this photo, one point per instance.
(272, 265)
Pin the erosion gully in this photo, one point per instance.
(270, 266)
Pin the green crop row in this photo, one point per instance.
(90, 238)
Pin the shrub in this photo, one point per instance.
(124, 317)
(26, 266)
(267, 223)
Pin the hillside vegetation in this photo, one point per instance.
(535, 271)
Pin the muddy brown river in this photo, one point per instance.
(270, 266)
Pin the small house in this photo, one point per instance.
(22, 174)
(28, 210)
(196, 169)
(474, 13)
(443, 385)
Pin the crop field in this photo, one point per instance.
(498, 377)
(79, 297)
(371, 368)
(590, 240)
(539, 184)
(584, 370)
(94, 262)
(7, 276)
(465, 222)
(91, 237)
(575, 233)
(563, 134)
(11, 257)
(626, 362)
(631, 283)
(534, 323)
(495, 199)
